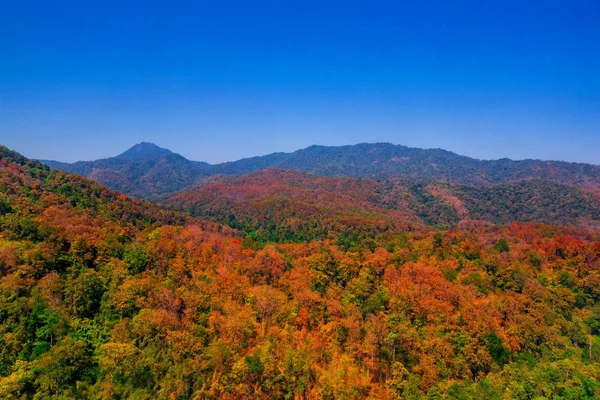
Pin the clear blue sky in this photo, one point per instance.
(220, 80)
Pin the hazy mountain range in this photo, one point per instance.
(307, 193)
(146, 170)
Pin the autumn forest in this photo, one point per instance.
(279, 284)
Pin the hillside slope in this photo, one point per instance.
(144, 171)
(104, 297)
(158, 171)
(280, 205)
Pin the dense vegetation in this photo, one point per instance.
(146, 170)
(105, 297)
(377, 160)
(281, 206)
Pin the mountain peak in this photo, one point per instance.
(144, 150)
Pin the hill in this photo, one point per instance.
(107, 297)
(280, 205)
(32, 188)
(377, 160)
(144, 171)
(156, 171)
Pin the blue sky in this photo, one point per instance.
(221, 80)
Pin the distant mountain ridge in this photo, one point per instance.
(147, 170)
(143, 171)
(144, 151)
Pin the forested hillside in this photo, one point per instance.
(144, 171)
(377, 160)
(147, 170)
(106, 297)
(279, 205)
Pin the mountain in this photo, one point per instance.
(377, 160)
(144, 151)
(281, 205)
(105, 297)
(144, 171)
(147, 170)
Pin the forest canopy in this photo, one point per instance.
(102, 296)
